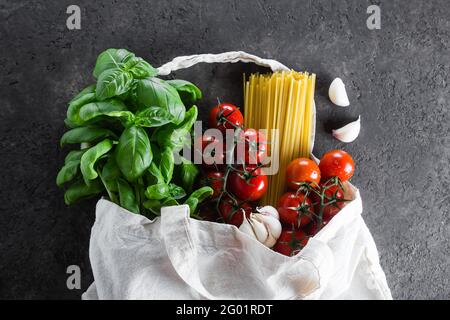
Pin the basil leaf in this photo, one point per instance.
(113, 82)
(139, 68)
(94, 111)
(87, 95)
(154, 175)
(192, 203)
(197, 197)
(67, 172)
(169, 202)
(110, 174)
(153, 205)
(152, 117)
(90, 157)
(126, 196)
(187, 172)
(157, 191)
(176, 192)
(74, 155)
(133, 153)
(167, 164)
(174, 136)
(156, 92)
(110, 59)
(188, 91)
(86, 134)
(79, 190)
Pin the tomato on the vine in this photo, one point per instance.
(249, 185)
(302, 170)
(295, 209)
(225, 116)
(337, 163)
(215, 181)
(233, 213)
(251, 147)
(291, 242)
(332, 202)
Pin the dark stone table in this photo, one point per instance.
(397, 80)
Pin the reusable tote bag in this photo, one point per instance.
(176, 257)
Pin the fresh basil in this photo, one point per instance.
(113, 82)
(157, 191)
(113, 120)
(156, 92)
(167, 164)
(86, 134)
(173, 136)
(127, 196)
(188, 92)
(133, 153)
(91, 156)
(152, 117)
(197, 197)
(110, 59)
(176, 192)
(187, 173)
(80, 190)
(68, 172)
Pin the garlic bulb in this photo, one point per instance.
(349, 132)
(264, 227)
(338, 94)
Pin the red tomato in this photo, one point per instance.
(331, 209)
(291, 242)
(248, 186)
(215, 181)
(251, 147)
(225, 116)
(215, 161)
(233, 214)
(337, 163)
(295, 209)
(311, 229)
(302, 170)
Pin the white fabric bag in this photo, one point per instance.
(176, 257)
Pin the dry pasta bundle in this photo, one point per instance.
(283, 101)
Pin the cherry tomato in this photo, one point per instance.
(232, 114)
(251, 147)
(210, 158)
(291, 242)
(295, 209)
(337, 163)
(302, 170)
(215, 181)
(311, 229)
(334, 192)
(248, 186)
(233, 214)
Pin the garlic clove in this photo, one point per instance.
(349, 132)
(338, 94)
(269, 211)
(246, 228)
(260, 230)
(273, 227)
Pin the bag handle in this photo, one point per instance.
(184, 62)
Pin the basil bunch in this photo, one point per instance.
(131, 125)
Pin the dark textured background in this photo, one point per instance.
(397, 79)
